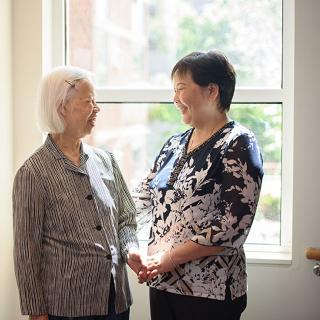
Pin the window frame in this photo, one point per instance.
(54, 18)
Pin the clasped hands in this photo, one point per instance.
(149, 267)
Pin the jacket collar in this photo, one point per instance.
(59, 155)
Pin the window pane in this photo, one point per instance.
(265, 120)
(135, 43)
(136, 132)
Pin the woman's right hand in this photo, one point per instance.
(159, 263)
(137, 264)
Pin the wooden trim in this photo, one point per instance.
(313, 253)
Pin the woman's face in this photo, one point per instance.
(80, 112)
(194, 102)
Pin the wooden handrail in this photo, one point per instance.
(313, 253)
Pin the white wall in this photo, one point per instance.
(8, 305)
(275, 292)
(20, 66)
(294, 292)
(27, 72)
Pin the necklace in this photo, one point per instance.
(191, 145)
(188, 152)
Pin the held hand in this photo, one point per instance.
(143, 275)
(136, 263)
(159, 263)
(41, 317)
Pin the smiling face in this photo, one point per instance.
(80, 112)
(196, 103)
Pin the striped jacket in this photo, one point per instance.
(73, 227)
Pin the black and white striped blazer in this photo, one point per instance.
(73, 227)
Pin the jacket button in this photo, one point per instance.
(89, 197)
(98, 228)
(109, 256)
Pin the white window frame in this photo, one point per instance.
(54, 39)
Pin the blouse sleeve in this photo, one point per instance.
(141, 194)
(28, 216)
(240, 181)
(142, 199)
(127, 214)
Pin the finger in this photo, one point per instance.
(142, 279)
(152, 266)
(153, 274)
(143, 268)
(143, 275)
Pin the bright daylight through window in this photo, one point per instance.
(133, 44)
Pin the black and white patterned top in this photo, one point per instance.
(73, 227)
(208, 196)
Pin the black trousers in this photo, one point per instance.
(170, 306)
(111, 307)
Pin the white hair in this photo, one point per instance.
(55, 91)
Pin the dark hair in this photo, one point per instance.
(209, 67)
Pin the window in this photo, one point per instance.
(122, 42)
(131, 46)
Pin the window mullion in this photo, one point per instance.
(165, 95)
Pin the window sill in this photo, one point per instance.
(275, 258)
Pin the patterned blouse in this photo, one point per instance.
(208, 196)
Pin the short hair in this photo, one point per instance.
(55, 89)
(209, 67)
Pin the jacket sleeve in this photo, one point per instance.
(239, 181)
(127, 219)
(28, 215)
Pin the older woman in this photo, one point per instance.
(74, 219)
(202, 195)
